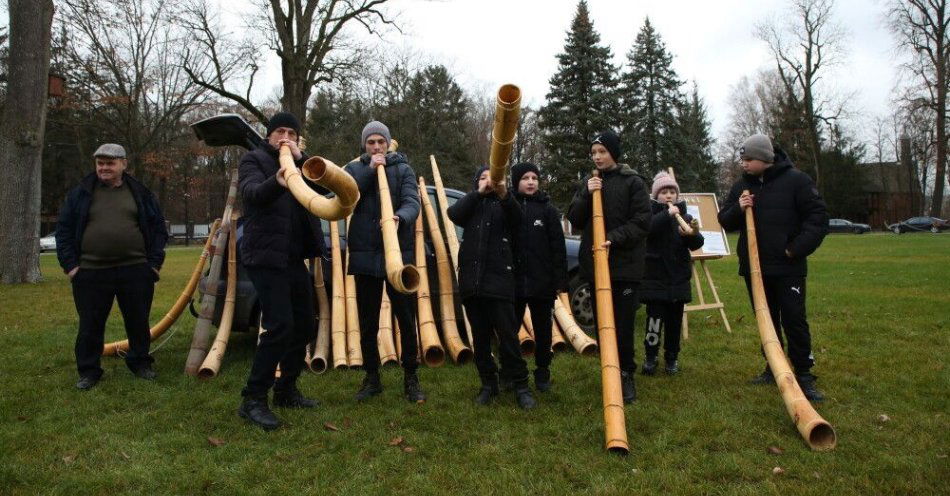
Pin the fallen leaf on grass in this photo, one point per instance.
(125, 455)
(816, 475)
(214, 441)
(775, 450)
(330, 427)
(778, 471)
(347, 422)
(21, 418)
(392, 425)
(883, 418)
(739, 318)
(407, 449)
(69, 458)
(396, 441)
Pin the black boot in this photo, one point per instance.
(412, 389)
(542, 379)
(256, 411)
(672, 366)
(525, 398)
(807, 382)
(87, 382)
(146, 372)
(649, 366)
(488, 391)
(371, 386)
(765, 377)
(628, 387)
(293, 398)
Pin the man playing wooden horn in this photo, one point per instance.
(791, 220)
(279, 234)
(367, 261)
(110, 240)
(627, 223)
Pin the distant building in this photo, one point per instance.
(892, 189)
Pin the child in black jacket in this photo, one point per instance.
(666, 283)
(490, 217)
(542, 264)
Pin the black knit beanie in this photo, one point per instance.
(519, 170)
(478, 174)
(283, 119)
(611, 142)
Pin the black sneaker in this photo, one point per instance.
(542, 379)
(371, 387)
(649, 366)
(672, 367)
(807, 383)
(86, 383)
(486, 394)
(293, 398)
(765, 377)
(257, 412)
(412, 389)
(628, 387)
(146, 372)
(525, 398)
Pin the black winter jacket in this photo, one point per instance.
(542, 256)
(74, 215)
(277, 228)
(364, 240)
(626, 220)
(487, 256)
(789, 215)
(668, 268)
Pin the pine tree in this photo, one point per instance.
(696, 169)
(649, 96)
(581, 102)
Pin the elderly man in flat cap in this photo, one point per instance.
(110, 241)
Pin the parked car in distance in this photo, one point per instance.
(920, 224)
(846, 226)
(48, 242)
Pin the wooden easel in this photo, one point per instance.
(716, 304)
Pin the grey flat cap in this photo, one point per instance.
(110, 150)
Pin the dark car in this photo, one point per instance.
(846, 226)
(920, 224)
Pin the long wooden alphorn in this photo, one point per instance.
(354, 350)
(557, 339)
(403, 278)
(430, 349)
(212, 363)
(320, 360)
(201, 339)
(338, 313)
(384, 338)
(507, 113)
(461, 353)
(175, 311)
(615, 427)
(582, 343)
(324, 173)
(817, 432)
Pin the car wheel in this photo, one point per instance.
(582, 303)
(896, 229)
(934, 229)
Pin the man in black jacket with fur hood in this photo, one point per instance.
(791, 221)
(279, 234)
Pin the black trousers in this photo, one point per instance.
(786, 301)
(664, 319)
(626, 303)
(94, 290)
(287, 315)
(541, 322)
(369, 297)
(495, 316)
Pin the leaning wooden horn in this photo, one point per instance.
(320, 360)
(817, 432)
(404, 278)
(507, 112)
(430, 348)
(338, 314)
(200, 340)
(615, 427)
(557, 339)
(212, 363)
(461, 353)
(688, 229)
(582, 343)
(326, 174)
(175, 311)
(384, 338)
(526, 341)
(354, 351)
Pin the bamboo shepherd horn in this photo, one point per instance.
(817, 432)
(212, 363)
(404, 278)
(507, 112)
(430, 348)
(338, 314)
(175, 311)
(320, 360)
(615, 428)
(688, 229)
(325, 173)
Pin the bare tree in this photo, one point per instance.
(312, 39)
(923, 31)
(803, 45)
(22, 127)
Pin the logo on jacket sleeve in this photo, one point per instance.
(538, 223)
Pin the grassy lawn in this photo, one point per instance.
(879, 308)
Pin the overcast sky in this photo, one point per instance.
(486, 43)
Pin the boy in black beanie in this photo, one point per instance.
(490, 217)
(542, 263)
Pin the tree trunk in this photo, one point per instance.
(21, 139)
(941, 165)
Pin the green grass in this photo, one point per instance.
(879, 308)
